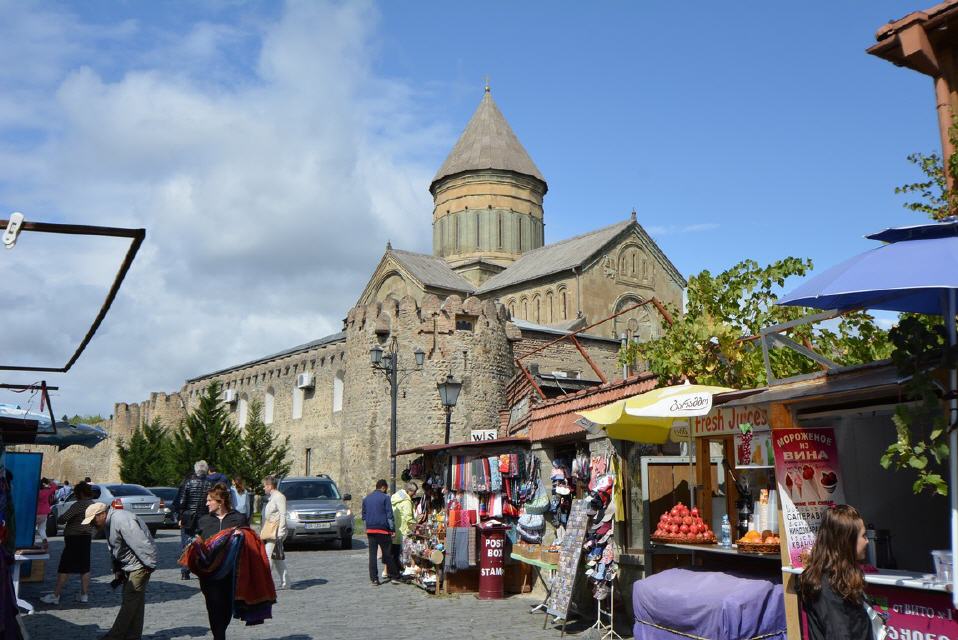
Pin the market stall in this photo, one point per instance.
(468, 489)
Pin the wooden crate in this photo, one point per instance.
(37, 571)
(462, 581)
(519, 578)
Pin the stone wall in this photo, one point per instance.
(564, 355)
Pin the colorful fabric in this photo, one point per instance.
(238, 553)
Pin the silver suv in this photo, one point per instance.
(316, 512)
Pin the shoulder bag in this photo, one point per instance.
(269, 530)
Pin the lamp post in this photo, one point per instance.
(388, 363)
(449, 393)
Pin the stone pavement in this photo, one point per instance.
(331, 598)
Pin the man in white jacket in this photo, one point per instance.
(276, 511)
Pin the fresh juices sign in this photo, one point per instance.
(809, 482)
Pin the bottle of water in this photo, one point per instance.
(726, 532)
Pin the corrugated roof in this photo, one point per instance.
(432, 271)
(555, 257)
(525, 325)
(488, 142)
(336, 337)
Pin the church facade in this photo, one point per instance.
(491, 291)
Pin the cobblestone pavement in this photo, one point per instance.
(331, 598)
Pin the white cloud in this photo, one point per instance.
(267, 198)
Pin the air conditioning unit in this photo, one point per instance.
(304, 381)
(229, 396)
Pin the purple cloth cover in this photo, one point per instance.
(709, 605)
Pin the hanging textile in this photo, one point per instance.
(615, 467)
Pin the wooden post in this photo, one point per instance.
(703, 478)
(782, 417)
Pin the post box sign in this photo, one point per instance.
(914, 613)
(809, 482)
(722, 421)
(482, 435)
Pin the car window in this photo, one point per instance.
(124, 490)
(309, 490)
(166, 494)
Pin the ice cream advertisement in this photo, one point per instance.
(809, 481)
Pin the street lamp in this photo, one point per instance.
(449, 394)
(388, 363)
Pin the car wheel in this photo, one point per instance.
(346, 542)
(51, 525)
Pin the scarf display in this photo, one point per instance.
(236, 552)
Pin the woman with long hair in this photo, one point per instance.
(77, 538)
(832, 585)
(218, 591)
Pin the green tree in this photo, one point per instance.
(260, 453)
(147, 457)
(207, 433)
(712, 343)
(93, 419)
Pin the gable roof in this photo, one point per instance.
(431, 271)
(488, 142)
(554, 258)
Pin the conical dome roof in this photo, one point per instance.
(488, 143)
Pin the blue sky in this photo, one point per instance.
(251, 139)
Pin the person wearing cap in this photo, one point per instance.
(134, 559)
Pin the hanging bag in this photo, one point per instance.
(269, 531)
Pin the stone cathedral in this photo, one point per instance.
(491, 291)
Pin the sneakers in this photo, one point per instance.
(376, 583)
(282, 586)
(50, 598)
(83, 598)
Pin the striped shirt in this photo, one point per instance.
(73, 519)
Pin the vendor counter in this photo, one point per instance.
(891, 578)
(705, 557)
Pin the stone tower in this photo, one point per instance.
(487, 198)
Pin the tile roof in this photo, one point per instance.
(336, 337)
(488, 142)
(432, 271)
(555, 257)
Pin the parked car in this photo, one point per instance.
(316, 511)
(134, 497)
(166, 495)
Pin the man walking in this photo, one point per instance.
(134, 559)
(190, 504)
(378, 517)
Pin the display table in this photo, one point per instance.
(542, 565)
(716, 548)
(18, 560)
(679, 603)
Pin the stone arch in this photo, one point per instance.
(639, 323)
(524, 307)
(536, 309)
(391, 285)
(633, 263)
(511, 305)
(550, 307)
(563, 296)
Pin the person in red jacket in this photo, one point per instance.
(380, 527)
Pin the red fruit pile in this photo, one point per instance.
(683, 525)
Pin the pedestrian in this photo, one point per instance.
(134, 559)
(77, 538)
(832, 584)
(218, 591)
(273, 532)
(46, 496)
(242, 499)
(216, 477)
(190, 505)
(87, 480)
(403, 519)
(64, 492)
(378, 517)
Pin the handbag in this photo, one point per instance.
(268, 532)
(879, 631)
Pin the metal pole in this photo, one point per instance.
(953, 445)
(448, 422)
(394, 397)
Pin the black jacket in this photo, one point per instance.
(190, 501)
(831, 617)
(210, 525)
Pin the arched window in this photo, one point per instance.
(297, 404)
(550, 318)
(338, 386)
(512, 308)
(563, 308)
(525, 309)
(241, 411)
(536, 310)
(268, 403)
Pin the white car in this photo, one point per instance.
(133, 497)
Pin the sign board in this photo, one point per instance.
(809, 482)
(482, 435)
(722, 421)
(915, 613)
(569, 554)
(753, 449)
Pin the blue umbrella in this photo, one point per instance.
(917, 271)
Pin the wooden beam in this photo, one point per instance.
(585, 354)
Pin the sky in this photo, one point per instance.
(271, 149)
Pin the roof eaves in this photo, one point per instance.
(330, 339)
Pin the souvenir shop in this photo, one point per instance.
(465, 487)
